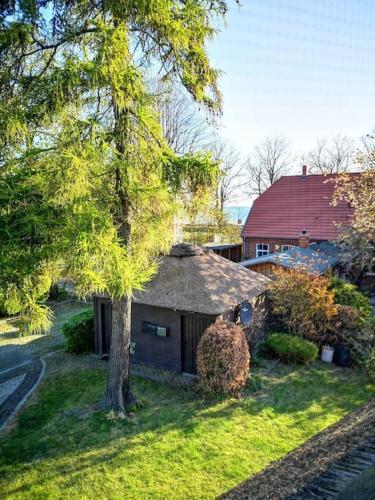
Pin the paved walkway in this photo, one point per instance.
(21, 358)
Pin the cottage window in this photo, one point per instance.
(262, 249)
(286, 248)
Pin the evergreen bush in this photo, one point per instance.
(347, 294)
(291, 349)
(79, 333)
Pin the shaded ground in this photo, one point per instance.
(350, 477)
(175, 445)
(288, 477)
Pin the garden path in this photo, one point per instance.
(21, 358)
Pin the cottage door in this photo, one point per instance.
(192, 328)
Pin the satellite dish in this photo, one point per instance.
(246, 313)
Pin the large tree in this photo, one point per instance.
(88, 182)
(332, 156)
(184, 125)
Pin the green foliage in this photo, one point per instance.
(361, 342)
(36, 319)
(291, 349)
(79, 333)
(59, 293)
(347, 294)
(89, 187)
(222, 359)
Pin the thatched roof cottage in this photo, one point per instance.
(192, 288)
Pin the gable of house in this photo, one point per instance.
(294, 203)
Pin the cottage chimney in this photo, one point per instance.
(304, 169)
(304, 239)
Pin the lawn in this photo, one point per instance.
(175, 445)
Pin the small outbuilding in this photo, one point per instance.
(230, 251)
(193, 287)
(318, 258)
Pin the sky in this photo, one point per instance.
(299, 68)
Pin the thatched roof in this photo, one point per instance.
(193, 279)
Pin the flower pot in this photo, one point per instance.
(342, 355)
(327, 353)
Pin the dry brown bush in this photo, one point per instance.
(223, 359)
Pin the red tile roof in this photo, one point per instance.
(294, 203)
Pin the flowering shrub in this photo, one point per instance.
(222, 359)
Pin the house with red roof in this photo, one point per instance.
(295, 210)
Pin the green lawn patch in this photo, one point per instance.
(175, 446)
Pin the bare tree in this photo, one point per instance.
(232, 167)
(331, 156)
(366, 155)
(268, 162)
(185, 127)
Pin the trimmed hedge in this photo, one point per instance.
(222, 359)
(291, 349)
(79, 333)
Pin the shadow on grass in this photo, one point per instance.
(65, 446)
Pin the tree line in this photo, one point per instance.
(187, 130)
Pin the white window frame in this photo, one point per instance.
(262, 249)
(286, 248)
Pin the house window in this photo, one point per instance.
(262, 249)
(286, 248)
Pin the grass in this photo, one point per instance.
(175, 446)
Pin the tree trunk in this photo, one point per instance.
(118, 395)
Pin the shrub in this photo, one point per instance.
(369, 364)
(222, 359)
(79, 333)
(291, 349)
(348, 318)
(59, 293)
(347, 294)
(361, 343)
(302, 303)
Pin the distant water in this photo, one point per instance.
(236, 213)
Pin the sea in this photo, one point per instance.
(235, 214)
